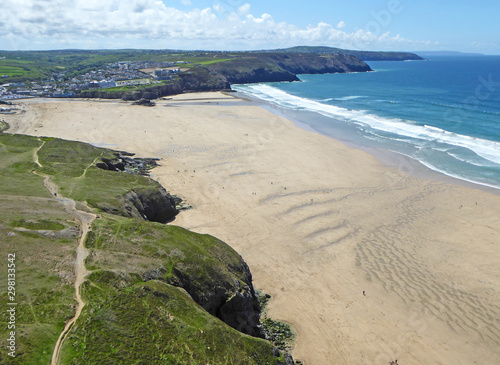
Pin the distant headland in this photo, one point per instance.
(149, 74)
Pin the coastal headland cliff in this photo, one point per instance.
(149, 292)
(250, 68)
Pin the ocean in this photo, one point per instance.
(443, 112)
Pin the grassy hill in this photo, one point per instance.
(363, 55)
(152, 286)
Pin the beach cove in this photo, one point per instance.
(367, 263)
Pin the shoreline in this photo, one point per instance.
(389, 158)
(367, 263)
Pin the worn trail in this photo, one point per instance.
(85, 220)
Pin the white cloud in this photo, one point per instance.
(45, 24)
(186, 2)
(244, 9)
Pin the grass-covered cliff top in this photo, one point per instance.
(151, 285)
(363, 55)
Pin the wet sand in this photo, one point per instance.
(367, 263)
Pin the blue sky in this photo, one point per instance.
(407, 25)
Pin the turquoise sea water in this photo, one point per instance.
(443, 112)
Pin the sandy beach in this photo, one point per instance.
(368, 263)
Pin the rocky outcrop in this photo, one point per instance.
(203, 79)
(124, 162)
(145, 101)
(224, 289)
(153, 204)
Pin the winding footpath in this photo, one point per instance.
(86, 219)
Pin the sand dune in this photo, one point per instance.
(319, 223)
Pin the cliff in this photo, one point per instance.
(309, 63)
(270, 67)
(252, 70)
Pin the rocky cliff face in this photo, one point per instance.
(252, 70)
(319, 64)
(231, 297)
(154, 205)
(203, 79)
(271, 67)
(218, 279)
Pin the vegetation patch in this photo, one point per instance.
(42, 224)
(128, 321)
(212, 61)
(12, 71)
(44, 274)
(280, 334)
(3, 126)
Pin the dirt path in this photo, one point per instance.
(81, 271)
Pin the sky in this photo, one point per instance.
(390, 25)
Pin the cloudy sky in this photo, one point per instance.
(411, 25)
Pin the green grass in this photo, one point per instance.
(22, 70)
(72, 167)
(44, 266)
(3, 126)
(212, 61)
(12, 71)
(126, 320)
(15, 62)
(17, 164)
(132, 322)
(205, 259)
(14, 68)
(42, 224)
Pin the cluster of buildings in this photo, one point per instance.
(31, 90)
(66, 84)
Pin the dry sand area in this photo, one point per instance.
(319, 223)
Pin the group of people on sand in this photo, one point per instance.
(394, 362)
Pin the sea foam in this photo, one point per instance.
(394, 129)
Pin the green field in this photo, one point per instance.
(12, 71)
(201, 61)
(14, 68)
(18, 70)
